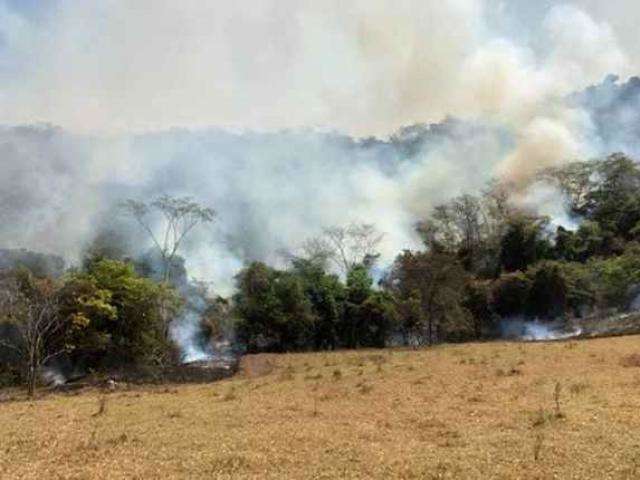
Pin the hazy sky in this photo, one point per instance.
(362, 66)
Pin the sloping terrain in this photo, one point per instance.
(493, 410)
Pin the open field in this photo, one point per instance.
(495, 410)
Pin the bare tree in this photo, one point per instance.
(317, 250)
(347, 246)
(180, 214)
(34, 314)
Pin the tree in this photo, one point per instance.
(577, 181)
(524, 243)
(617, 278)
(274, 313)
(433, 281)
(119, 312)
(379, 318)
(180, 214)
(327, 297)
(31, 306)
(346, 246)
(359, 290)
(469, 227)
(548, 291)
(476, 301)
(615, 200)
(606, 191)
(509, 294)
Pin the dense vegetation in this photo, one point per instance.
(484, 262)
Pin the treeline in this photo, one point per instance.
(109, 312)
(485, 261)
(96, 318)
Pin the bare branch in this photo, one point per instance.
(181, 215)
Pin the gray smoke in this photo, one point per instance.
(614, 110)
(53, 376)
(535, 330)
(271, 190)
(502, 70)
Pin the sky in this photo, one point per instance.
(365, 67)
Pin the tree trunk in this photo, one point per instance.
(31, 380)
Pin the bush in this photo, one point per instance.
(509, 294)
(547, 298)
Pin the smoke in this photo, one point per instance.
(545, 199)
(53, 376)
(535, 330)
(271, 190)
(296, 89)
(186, 331)
(614, 111)
(363, 67)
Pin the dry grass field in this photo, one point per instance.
(494, 410)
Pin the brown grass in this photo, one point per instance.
(631, 360)
(556, 410)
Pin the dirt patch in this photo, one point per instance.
(257, 365)
(632, 360)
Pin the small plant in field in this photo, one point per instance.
(102, 407)
(230, 395)
(537, 446)
(287, 374)
(314, 394)
(119, 440)
(556, 397)
(509, 372)
(364, 388)
(337, 374)
(542, 417)
(578, 387)
(92, 444)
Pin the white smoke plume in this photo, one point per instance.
(534, 330)
(256, 93)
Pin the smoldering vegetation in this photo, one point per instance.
(275, 189)
(303, 249)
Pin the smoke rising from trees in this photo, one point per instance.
(364, 69)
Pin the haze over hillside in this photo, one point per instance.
(165, 98)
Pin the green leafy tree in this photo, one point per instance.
(378, 319)
(274, 313)
(359, 289)
(115, 315)
(476, 301)
(509, 294)
(547, 298)
(327, 296)
(524, 243)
